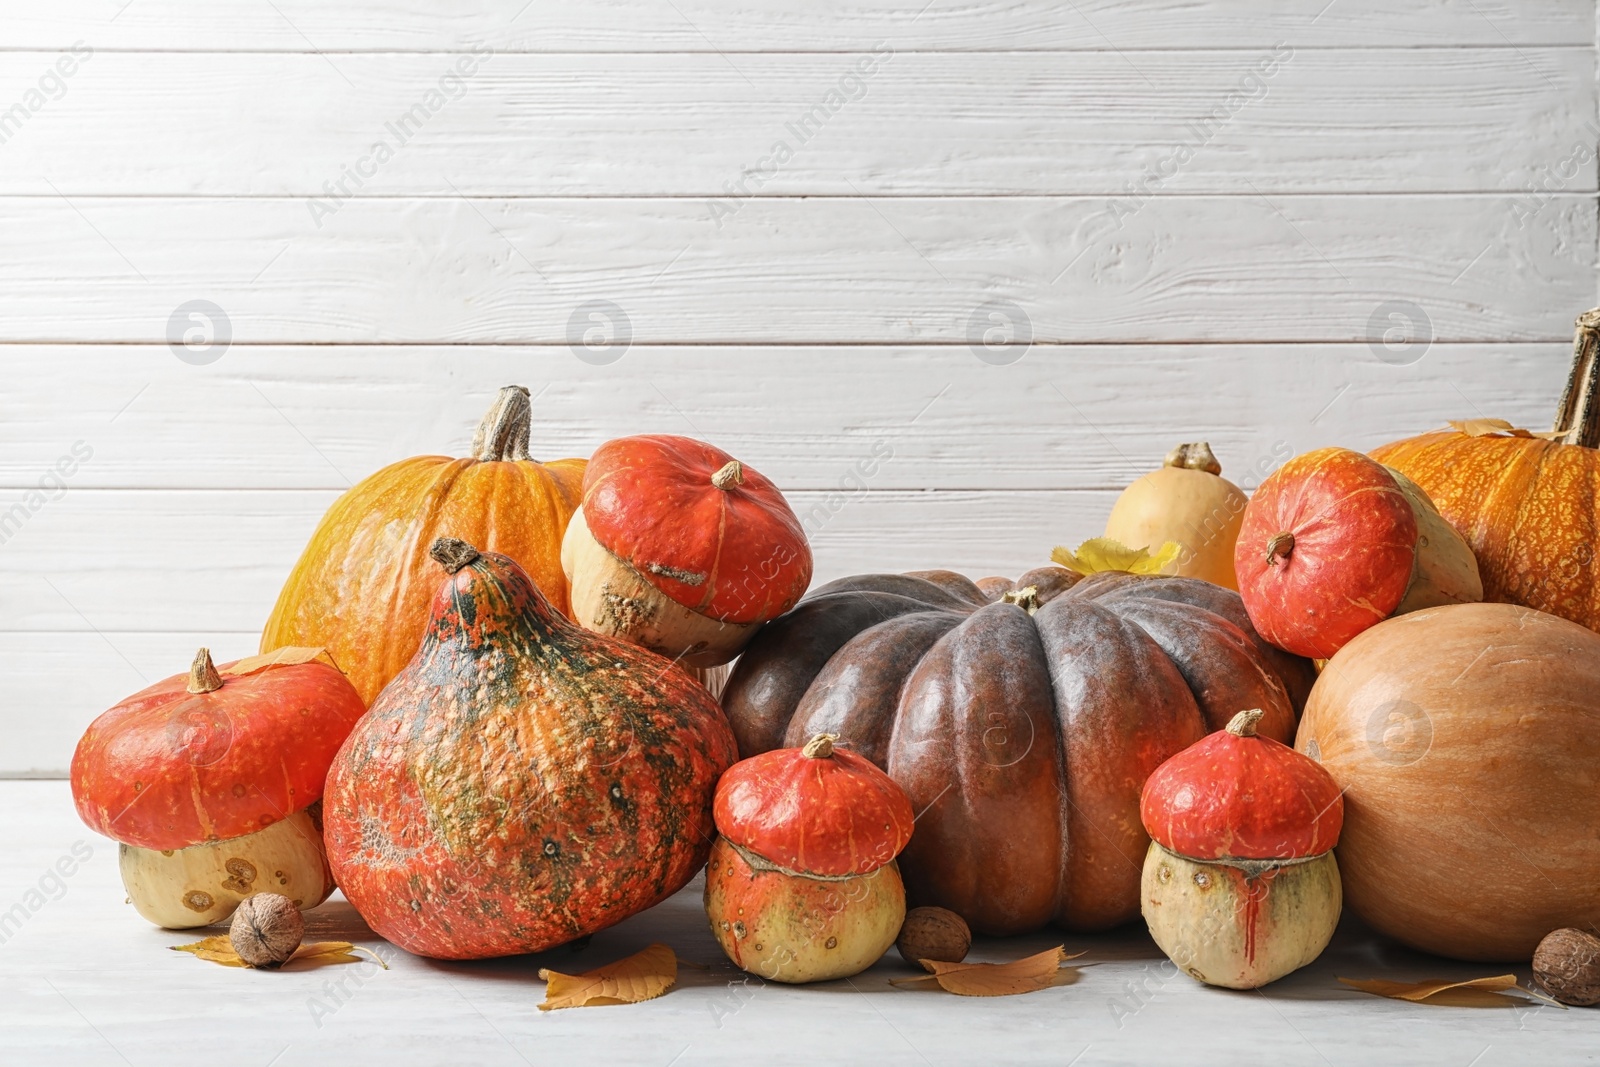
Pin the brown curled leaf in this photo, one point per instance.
(644, 975)
(1474, 992)
(1027, 975)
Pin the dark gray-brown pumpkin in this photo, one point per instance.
(1021, 719)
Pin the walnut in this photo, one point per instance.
(1567, 964)
(934, 934)
(266, 930)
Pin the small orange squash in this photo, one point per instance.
(363, 586)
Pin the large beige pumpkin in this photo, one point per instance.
(1467, 739)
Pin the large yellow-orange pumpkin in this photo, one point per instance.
(1526, 504)
(363, 586)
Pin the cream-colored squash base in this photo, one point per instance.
(1446, 571)
(786, 927)
(1235, 926)
(1200, 511)
(610, 597)
(202, 884)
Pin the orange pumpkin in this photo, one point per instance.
(1524, 502)
(363, 586)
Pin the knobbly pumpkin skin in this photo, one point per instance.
(1240, 886)
(1526, 506)
(363, 585)
(1022, 740)
(1467, 741)
(802, 884)
(1334, 542)
(523, 782)
(681, 548)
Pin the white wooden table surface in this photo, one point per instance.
(1275, 226)
(83, 980)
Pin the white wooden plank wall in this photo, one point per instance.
(1273, 226)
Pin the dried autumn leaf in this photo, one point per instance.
(1498, 428)
(1475, 992)
(644, 975)
(1108, 554)
(282, 657)
(219, 949)
(1027, 975)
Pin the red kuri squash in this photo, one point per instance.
(1333, 542)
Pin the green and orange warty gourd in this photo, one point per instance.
(363, 584)
(523, 782)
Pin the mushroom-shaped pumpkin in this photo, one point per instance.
(802, 885)
(212, 782)
(1240, 886)
(681, 548)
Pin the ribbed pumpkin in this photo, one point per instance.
(1525, 503)
(802, 884)
(1021, 719)
(1240, 884)
(681, 548)
(523, 782)
(363, 584)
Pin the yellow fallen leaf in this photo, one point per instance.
(644, 975)
(1498, 428)
(1474, 992)
(1108, 554)
(1027, 975)
(283, 657)
(218, 949)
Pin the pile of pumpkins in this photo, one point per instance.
(483, 711)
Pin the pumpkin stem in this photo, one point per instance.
(1280, 547)
(1026, 598)
(819, 747)
(452, 553)
(1578, 419)
(503, 434)
(729, 474)
(1195, 456)
(203, 676)
(1244, 723)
